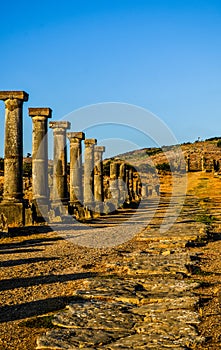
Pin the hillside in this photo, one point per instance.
(150, 159)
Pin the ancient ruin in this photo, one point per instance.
(83, 191)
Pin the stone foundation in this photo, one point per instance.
(17, 214)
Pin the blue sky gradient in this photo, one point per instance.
(162, 55)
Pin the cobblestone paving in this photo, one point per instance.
(144, 299)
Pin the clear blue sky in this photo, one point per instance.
(163, 55)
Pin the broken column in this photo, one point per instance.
(60, 193)
(89, 173)
(98, 178)
(40, 159)
(13, 205)
(76, 188)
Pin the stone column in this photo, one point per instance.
(13, 158)
(122, 182)
(40, 153)
(188, 163)
(13, 206)
(98, 178)
(76, 189)
(128, 199)
(137, 185)
(131, 186)
(144, 191)
(60, 162)
(89, 172)
(114, 189)
(203, 163)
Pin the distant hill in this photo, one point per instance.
(150, 159)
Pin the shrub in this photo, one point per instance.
(163, 167)
(27, 169)
(153, 151)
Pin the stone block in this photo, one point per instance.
(17, 214)
(21, 95)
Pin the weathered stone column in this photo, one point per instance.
(203, 163)
(188, 163)
(127, 181)
(13, 207)
(13, 158)
(89, 173)
(98, 178)
(76, 188)
(122, 183)
(144, 191)
(131, 188)
(40, 153)
(60, 161)
(114, 189)
(136, 188)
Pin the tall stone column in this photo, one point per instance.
(136, 187)
(76, 188)
(127, 182)
(131, 180)
(89, 172)
(13, 154)
(122, 183)
(40, 154)
(98, 178)
(114, 189)
(13, 207)
(60, 162)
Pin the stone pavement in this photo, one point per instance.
(144, 298)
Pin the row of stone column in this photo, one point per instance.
(125, 184)
(92, 189)
(202, 164)
(89, 192)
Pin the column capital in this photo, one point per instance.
(76, 136)
(99, 149)
(20, 95)
(60, 125)
(90, 142)
(40, 112)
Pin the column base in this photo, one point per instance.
(60, 208)
(16, 214)
(90, 206)
(99, 209)
(40, 210)
(110, 207)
